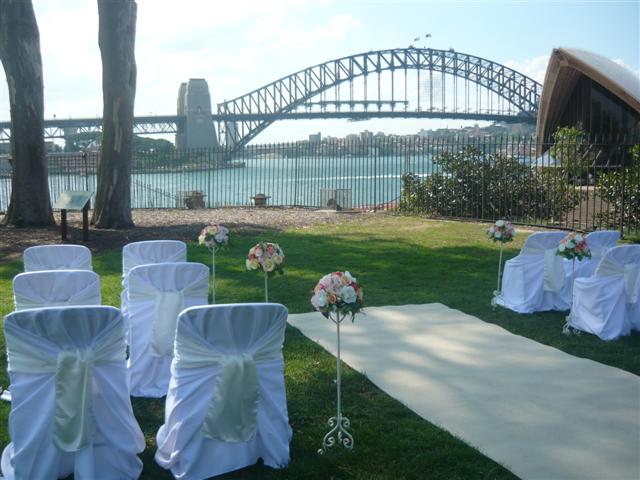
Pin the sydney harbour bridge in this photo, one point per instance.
(396, 83)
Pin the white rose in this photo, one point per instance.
(277, 259)
(578, 238)
(561, 247)
(348, 294)
(268, 265)
(220, 237)
(492, 229)
(497, 235)
(252, 264)
(319, 300)
(347, 276)
(500, 223)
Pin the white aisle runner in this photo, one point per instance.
(542, 413)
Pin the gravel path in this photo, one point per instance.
(169, 224)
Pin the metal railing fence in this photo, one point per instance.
(582, 185)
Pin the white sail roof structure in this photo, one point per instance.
(565, 68)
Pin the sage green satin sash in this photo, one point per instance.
(168, 304)
(74, 423)
(632, 281)
(554, 274)
(233, 408)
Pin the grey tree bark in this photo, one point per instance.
(116, 37)
(20, 55)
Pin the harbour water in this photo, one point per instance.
(310, 181)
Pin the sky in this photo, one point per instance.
(241, 45)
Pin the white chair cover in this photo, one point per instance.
(152, 251)
(146, 253)
(71, 411)
(599, 243)
(606, 304)
(57, 257)
(227, 404)
(537, 279)
(51, 288)
(156, 295)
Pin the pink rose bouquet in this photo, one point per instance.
(338, 292)
(501, 231)
(214, 236)
(266, 256)
(574, 246)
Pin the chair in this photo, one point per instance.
(537, 279)
(50, 288)
(226, 406)
(57, 257)
(599, 243)
(152, 251)
(156, 295)
(606, 304)
(146, 253)
(70, 411)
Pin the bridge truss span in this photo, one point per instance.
(405, 82)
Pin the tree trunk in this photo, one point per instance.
(20, 55)
(116, 37)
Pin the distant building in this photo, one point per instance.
(194, 103)
(588, 90)
(315, 137)
(366, 135)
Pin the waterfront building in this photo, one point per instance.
(583, 89)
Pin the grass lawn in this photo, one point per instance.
(397, 260)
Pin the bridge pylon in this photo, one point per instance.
(194, 103)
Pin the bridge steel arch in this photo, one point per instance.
(284, 95)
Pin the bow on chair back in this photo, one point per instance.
(147, 253)
(226, 404)
(232, 338)
(57, 257)
(546, 243)
(74, 356)
(156, 294)
(52, 288)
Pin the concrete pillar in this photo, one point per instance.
(194, 102)
(181, 140)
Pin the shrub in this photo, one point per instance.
(572, 149)
(470, 184)
(620, 189)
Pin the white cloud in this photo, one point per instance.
(535, 67)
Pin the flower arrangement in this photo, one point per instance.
(214, 236)
(338, 292)
(574, 246)
(501, 231)
(266, 256)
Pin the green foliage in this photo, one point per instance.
(620, 189)
(145, 144)
(572, 149)
(81, 141)
(470, 184)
